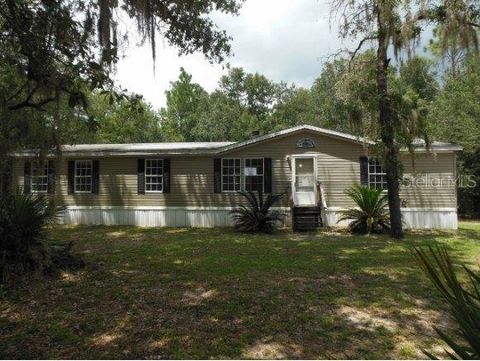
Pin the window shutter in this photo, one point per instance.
(166, 176)
(141, 176)
(51, 176)
(267, 175)
(71, 177)
(95, 176)
(364, 171)
(27, 176)
(217, 175)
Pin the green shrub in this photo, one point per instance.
(463, 299)
(24, 219)
(371, 214)
(256, 216)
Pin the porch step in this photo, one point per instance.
(307, 218)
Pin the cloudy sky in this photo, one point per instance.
(282, 39)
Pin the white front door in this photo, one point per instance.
(304, 181)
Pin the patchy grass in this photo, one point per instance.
(212, 293)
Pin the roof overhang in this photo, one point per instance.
(289, 131)
(212, 148)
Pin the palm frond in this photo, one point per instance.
(256, 215)
(463, 299)
(371, 213)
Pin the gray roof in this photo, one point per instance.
(198, 148)
(145, 147)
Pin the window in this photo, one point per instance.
(153, 175)
(83, 176)
(39, 180)
(230, 175)
(376, 175)
(254, 174)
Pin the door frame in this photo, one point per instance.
(294, 157)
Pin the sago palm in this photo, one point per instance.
(23, 222)
(463, 299)
(370, 214)
(256, 215)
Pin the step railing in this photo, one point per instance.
(322, 203)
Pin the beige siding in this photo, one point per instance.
(435, 176)
(337, 163)
(192, 177)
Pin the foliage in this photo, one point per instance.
(183, 105)
(55, 53)
(371, 214)
(260, 105)
(123, 122)
(24, 219)
(256, 216)
(462, 297)
(454, 116)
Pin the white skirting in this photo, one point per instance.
(416, 218)
(155, 216)
(413, 218)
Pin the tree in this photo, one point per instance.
(454, 116)
(242, 103)
(122, 122)
(393, 26)
(252, 92)
(413, 91)
(183, 101)
(56, 52)
(294, 107)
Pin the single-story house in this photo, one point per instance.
(195, 184)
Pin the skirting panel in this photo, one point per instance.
(413, 218)
(167, 217)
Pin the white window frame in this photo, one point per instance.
(232, 175)
(75, 176)
(35, 167)
(376, 173)
(154, 175)
(262, 175)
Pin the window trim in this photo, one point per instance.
(75, 177)
(146, 176)
(32, 176)
(383, 173)
(234, 175)
(263, 172)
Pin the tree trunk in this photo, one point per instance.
(392, 161)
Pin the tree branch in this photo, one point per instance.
(360, 44)
(28, 104)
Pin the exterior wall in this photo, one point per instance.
(192, 176)
(433, 180)
(192, 201)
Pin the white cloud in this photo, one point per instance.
(283, 39)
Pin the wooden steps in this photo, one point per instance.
(306, 218)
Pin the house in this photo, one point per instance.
(195, 184)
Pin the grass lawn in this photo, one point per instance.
(212, 293)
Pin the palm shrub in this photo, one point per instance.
(370, 214)
(23, 222)
(462, 297)
(256, 215)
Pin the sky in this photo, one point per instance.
(285, 40)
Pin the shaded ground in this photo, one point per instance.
(203, 293)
